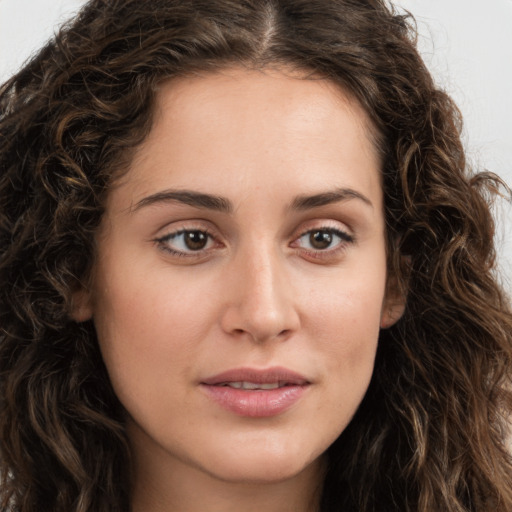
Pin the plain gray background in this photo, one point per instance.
(467, 44)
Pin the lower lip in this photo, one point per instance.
(255, 403)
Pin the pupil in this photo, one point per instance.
(195, 240)
(320, 239)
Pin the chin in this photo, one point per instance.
(264, 467)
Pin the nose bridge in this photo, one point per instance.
(261, 302)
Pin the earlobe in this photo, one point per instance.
(391, 314)
(81, 306)
(394, 304)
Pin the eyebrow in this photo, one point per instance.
(189, 197)
(224, 205)
(305, 202)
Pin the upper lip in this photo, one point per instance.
(258, 376)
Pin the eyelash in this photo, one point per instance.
(330, 252)
(340, 246)
(163, 244)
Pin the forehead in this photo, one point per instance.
(299, 95)
(268, 126)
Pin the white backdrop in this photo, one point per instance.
(466, 43)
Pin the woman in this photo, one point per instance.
(244, 267)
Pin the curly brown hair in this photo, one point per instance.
(430, 433)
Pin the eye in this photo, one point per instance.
(323, 240)
(186, 242)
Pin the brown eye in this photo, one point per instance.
(320, 239)
(186, 242)
(195, 240)
(324, 240)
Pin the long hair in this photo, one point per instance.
(430, 433)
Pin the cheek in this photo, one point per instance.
(346, 326)
(348, 310)
(148, 331)
(349, 341)
(146, 307)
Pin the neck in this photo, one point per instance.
(201, 495)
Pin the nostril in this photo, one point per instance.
(259, 316)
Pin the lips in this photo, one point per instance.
(256, 393)
(255, 385)
(265, 376)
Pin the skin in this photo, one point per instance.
(260, 293)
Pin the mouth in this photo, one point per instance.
(256, 393)
(257, 379)
(255, 386)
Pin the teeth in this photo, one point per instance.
(252, 385)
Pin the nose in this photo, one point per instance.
(260, 301)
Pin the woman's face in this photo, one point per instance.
(241, 276)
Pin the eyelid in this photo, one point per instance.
(345, 235)
(185, 224)
(176, 229)
(325, 224)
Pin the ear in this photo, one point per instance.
(81, 305)
(393, 306)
